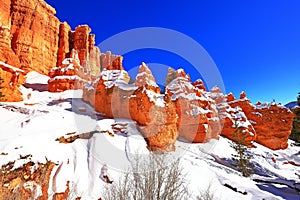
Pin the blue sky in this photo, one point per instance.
(255, 44)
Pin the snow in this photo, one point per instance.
(245, 124)
(36, 190)
(69, 67)
(33, 129)
(141, 74)
(11, 67)
(74, 77)
(158, 99)
(67, 61)
(4, 27)
(115, 78)
(113, 75)
(191, 96)
(149, 82)
(267, 105)
(197, 110)
(252, 122)
(183, 88)
(34, 77)
(257, 113)
(237, 115)
(121, 84)
(54, 69)
(83, 25)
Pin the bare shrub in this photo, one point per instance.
(152, 178)
(207, 194)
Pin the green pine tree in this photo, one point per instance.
(295, 134)
(1, 94)
(170, 76)
(241, 158)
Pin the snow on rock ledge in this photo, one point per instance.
(151, 109)
(70, 75)
(197, 115)
(272, 122)
(236, 118)
(185, 109)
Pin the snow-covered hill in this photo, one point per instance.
(61, 128)
(291, 104)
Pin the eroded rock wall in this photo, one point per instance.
(13, 78)
(34, 34)
(33, 39)
(272, 122)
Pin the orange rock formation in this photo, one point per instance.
(32, 38)
(197, 115)
(13, 78)
(69, 76)
(272, 122)
(153, 111)
(31, 31)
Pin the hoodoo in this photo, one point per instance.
(32, 38)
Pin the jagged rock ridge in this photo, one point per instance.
(186, 110)
(32, 38)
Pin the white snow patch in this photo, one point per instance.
(4, 27)
(67, 61)
(74, 77)
(11, 67)
(158, 99)
(36, 190)
(80, 162)
(34, 77)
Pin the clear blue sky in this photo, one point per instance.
(255, 44)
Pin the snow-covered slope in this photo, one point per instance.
(291, 104)
(33, 127)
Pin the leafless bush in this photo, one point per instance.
(207, 194)
(149, 179)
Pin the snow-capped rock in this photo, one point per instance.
(69, 76)
(272, 122)
(197, 116)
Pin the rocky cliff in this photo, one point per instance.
(272, 122)
(186, 110)
(69, 76)
(13, 78)
(31, 34)
(33, 39)
(154, 111)
(232, 117)
(197, 115)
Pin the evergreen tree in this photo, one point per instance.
(295, 135)
(241, 158)
(1, 94)
(170, 76)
